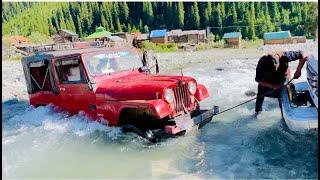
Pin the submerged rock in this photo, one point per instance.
(250, 93)
(219, 69)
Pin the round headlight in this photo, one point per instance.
(192, 87)
(169, 95)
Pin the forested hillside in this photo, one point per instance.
(251, 18)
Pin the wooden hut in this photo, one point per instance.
(190, 36)
(141, 38)
(174, 35)
(232, 39)
(116, 41)
(124, 35)
(64, 36)
(195, 36)
(159, 36)
(298, 39)
(281, 37)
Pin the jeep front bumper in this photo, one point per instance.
(185, 123)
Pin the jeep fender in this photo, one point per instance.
(158, 107)
(201, 93)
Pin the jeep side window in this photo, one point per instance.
(70, 71)
(40, 77)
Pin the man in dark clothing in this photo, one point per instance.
(273, 70)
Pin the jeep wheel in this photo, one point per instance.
(145, 134)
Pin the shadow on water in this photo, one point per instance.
(13, 107)
(295, 153)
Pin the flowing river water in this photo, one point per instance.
(44, 143)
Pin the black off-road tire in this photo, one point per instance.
(148, 135)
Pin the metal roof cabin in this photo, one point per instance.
(281, 37)
(159, 36)
(232, 39)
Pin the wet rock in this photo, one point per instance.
(250, 93)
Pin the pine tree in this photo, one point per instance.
(285, 17)
(234, 14)
(304, 14)
(195, 18)
(261, 27)
(79, 29)
(103, 21)
(268, 23)
(312, 20)
(146, 29)
(140, 25)
(207, 14)
(181, 14)
(119, 27)
(148, 13)
(134, 29)
(217, 21)
(276, 15)
(52, 30)
(223, 11)
(251, 20)
(129, 28)
(124, 9)
(24, 17)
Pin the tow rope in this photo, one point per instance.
(250, 99)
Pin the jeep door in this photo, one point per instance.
(74, 92)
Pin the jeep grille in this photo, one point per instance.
(181, 97)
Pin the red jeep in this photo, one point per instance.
(114, 85)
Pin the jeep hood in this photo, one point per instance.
(139, 86)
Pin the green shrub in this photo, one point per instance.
(148, 45)
(202, 47)
(217, 44)
(252, 43)
(168, 47)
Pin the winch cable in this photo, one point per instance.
(251, 99)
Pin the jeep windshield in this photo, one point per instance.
(104, 62)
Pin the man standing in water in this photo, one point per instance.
(272, 71)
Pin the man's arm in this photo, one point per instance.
(289, 56)
(302, 61)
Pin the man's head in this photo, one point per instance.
(273, 60)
